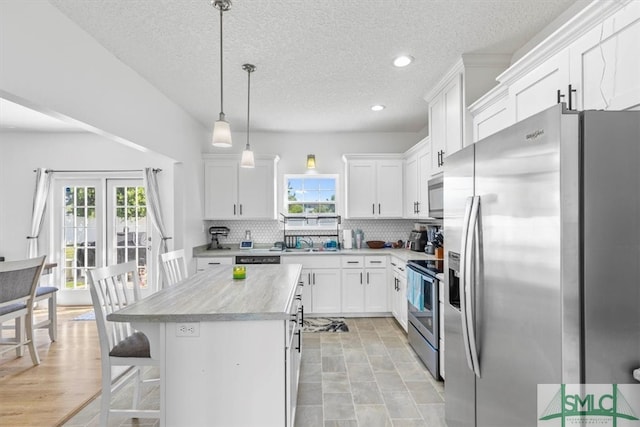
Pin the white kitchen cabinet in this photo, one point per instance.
(445, 121)
(592, 61)
(398, 292)
(374, 186)
(537, 90)
(604, 63)
(321, 289)
(417, 171)
(203, 263)
(490, 113)
(449, 123)
(364, 281)
(232, 192)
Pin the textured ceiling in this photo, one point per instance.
(320, 64)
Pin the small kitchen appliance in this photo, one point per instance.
(215, 233)
(418, 240)
(247, 243)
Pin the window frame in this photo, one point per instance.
(285, 196)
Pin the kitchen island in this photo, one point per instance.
(229, 350)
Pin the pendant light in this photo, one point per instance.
(247, 155)
(221, 130)
(311, 161)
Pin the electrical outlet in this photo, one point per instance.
(188, 329)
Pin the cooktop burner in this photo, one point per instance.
(431, 267)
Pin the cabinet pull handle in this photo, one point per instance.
(309, 278)
(301, 315)
(352, 262)
(299, 341)
(214, 263)
(417, 207)
(393, 263)
(314, 278)
(234, 208)
(367, 277)
(378, 208)
(241, 209)
(373, 208)
(571, 91)
(559, 96)
(361, 278)
(375, 262)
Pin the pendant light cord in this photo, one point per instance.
(221, 72)
(248, 103)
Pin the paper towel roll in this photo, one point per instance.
(347, 239)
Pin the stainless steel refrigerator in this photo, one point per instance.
(542, 263)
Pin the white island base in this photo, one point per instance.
(235, 373)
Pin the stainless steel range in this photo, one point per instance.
(422, 300)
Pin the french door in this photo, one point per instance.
(99, 222)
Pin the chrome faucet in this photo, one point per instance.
(308, 242)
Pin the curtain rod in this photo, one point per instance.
(156, 170)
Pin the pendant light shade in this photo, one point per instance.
(221, 134)
(247, 160)
(221, 129)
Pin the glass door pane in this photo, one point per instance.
(128, 227)
(78, 215)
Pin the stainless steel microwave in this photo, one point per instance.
(435, 194)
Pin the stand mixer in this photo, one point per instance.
(216, 232)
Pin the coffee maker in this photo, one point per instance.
(418, 240)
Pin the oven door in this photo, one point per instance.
(422, 296)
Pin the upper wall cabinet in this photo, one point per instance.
(417, 171)
(374, 186)
(592, 62)
(449, 123)
(232, 192)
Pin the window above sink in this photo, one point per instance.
(311, 195)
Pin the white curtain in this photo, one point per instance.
(43, 183)
(155, 210)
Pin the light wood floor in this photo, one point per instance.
(67, 378)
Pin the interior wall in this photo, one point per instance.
(24, 152)
(328, 149)
(292, 148)
(51, 65)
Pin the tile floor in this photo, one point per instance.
(366, 377)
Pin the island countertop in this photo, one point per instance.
(213, 295)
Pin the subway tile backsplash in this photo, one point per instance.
(269, 231)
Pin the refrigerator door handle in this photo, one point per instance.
(473, 242)
(464, 253)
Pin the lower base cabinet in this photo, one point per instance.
(364, 284)
(203, 263)
(320, 282)
(398, 291)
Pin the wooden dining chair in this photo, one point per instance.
(174, 267)
(121, 348)
(18, 282)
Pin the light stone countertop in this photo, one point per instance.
(403, 254)
(213, 295)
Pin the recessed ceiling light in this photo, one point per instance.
(403, 61)
(378, 107)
